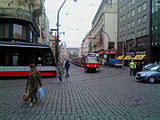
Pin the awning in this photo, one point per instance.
(128, 57)
(120, 57)
(139, 57)
(26, 45)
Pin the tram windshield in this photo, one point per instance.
(92, 59)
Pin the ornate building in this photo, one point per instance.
(23, 21)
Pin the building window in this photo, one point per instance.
(144, 6)
(139, 33)
(31, 36)
(129, 3)
(129, 25)
(139, 9)
(139, 21)
(17, 31)
(133, 35)
(124, 18)
(4, 30)
(120, 10)
(124, 37)
(109, 2)
(124, 8)
(133, 24)
(124, 28)
(120, 19)
(129, 14)
(24, 32)
(144, 31)
(144, 19)
(133, 12)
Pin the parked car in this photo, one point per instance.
(151, 75)
(148, 66)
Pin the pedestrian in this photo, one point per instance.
(33, 81)
(143, 65)
(67, 65)
(139, 66)
(135, 68)
(60, 69)
(132, 67)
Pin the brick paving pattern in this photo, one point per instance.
(110, 94)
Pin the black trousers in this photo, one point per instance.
(67, 74)
(132, 71)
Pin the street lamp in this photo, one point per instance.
(57, 38)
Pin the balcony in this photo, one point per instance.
(19, 13)
(37, 7)
(16, 13)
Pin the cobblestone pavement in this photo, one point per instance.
(110, 94)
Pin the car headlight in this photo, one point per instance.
(143, 75)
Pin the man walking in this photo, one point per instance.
(67, 65)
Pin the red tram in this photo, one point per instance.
(15, 59)
(91, 62)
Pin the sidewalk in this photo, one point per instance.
(110, 94)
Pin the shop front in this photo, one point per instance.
(106, 55)
(127, 59)
(140, 57)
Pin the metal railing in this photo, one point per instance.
(16, 12)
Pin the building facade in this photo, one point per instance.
(86, 44)
(63, 52)
(104, 31)
(134, 27)
(155, 30)
(52, 40)
(73, 52)
(23, 21)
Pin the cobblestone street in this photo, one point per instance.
(110, 94)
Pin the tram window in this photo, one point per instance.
(15, 60)
(7, 60)
(24, 56)
(91, 59)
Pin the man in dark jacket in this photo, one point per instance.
(67, 65)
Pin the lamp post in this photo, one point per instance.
(57, 38)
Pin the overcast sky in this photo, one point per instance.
(75, 18)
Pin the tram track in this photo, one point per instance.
(96, 76)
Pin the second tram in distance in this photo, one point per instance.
(89, 61)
